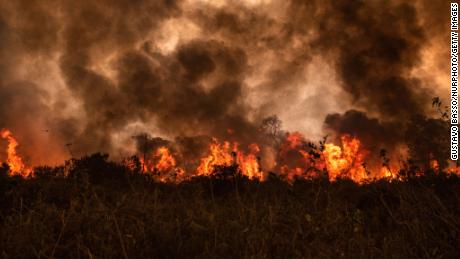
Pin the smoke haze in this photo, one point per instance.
(89, 75)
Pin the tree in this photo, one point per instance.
(271, 126)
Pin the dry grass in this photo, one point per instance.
(132, 217)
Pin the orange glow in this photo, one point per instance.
(434, 164)
(166, 161)
(296, 162)
(340, 161)
(220, 155)
(295, 159)
(454, 170)
(294, 140)
(249, 163)
(224, 155)
(14, 161)
(346, 162)
(388, 172)
(163, 166)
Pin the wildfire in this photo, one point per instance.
(220, 155)
(346, 162)
(250, 164)
(164, 166)
(434, 164)
(14, 161)
(388, 172)
(296, 159)
(339, 161)
(226, 154)
(454, 170)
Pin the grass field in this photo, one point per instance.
(100, 210)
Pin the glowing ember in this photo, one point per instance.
(14, 161)
(434, 164)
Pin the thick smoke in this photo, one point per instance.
(187, 71)
(373, 133)
(375, 56)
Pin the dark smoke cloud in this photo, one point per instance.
(375, 46)
(108, 56)
(168, 88)
(147, 144)
(373, 133)
(92, 26)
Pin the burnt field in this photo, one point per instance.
(94, 208)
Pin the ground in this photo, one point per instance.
(107, 212)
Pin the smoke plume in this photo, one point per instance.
(90, 76)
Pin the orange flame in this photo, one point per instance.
(388, 172)
(167, 166)
(249, 164)
(301, 165)
(346, 162)
(297, 160)
(163, 166)
(220, 155)
(167, 161)
(434, 164)
(224, 155)
(14, 161)
(454, 170)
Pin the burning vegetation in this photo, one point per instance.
(295, 159)
(14, 161)
(229, 207)
(182, 95)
